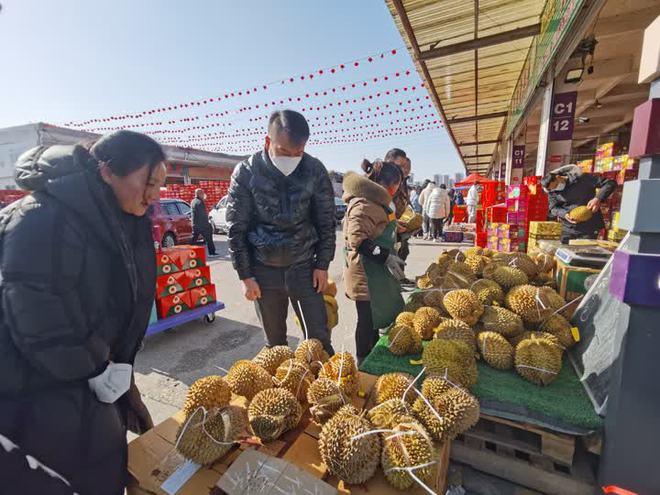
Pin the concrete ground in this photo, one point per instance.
(174, 359)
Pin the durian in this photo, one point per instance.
(207, 392)
(542, 279)
(501, 320)
(206, 436)
(405, 318)
(474, 251)
(247, 379)
(269, 358)
(477, 263)
(433, 298)
(508, 277)
(435, 272)
(272, 412)
(408, 446)
(452, 413)
(424, 282)
(426, 319)
(495, 350)
(456, 330)
(404, 340)
(488, 291)
(463, 305)
(393, 386)
(386, 414)
(517, 339)
(538, 360)
(545, 262)
(349, 449)
(559, 326)
(490, 268)
(526, 264)
(434, 386)
(342, 369)
(451, 255)
(295, 376)
(458, 276)
(325, 398)
(530, 303)
(580, 214)
(453, 359)
(311, 352)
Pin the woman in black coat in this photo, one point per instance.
(78, 276)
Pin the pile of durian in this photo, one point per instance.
(480, 304)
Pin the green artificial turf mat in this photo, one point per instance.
(563, 405)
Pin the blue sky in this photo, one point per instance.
(69, 61)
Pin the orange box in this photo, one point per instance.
(201, 296)
(173, 305)
(168, 285)
(197, 277)
(187, 257)
(165, 264)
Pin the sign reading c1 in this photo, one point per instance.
(562, 116)
(518, 158)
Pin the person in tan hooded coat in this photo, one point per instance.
(369, 230)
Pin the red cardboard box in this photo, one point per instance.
(167, 285)
(201, 296)
(197, 277)
(165, 264)
(173, 305)
(187, 257)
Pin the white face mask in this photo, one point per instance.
(285, 164)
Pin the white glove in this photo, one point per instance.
(395, 265)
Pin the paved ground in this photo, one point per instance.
(172, 360)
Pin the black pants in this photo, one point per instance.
(436, 227)
(426, 225)
(207, 235)
(295, 284)
(404, 250)
(366, 336)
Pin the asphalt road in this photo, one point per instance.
(172, 360)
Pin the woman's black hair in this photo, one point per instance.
(395, 153)
(384, 173)
(124, 152)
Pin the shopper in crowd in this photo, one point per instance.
(472, 201)
(79, 271)
(401, 201)
(423, 198)
(414, 199)
(372, 270)
(281, 217)
(437, 209)
(200, 220)
(458, 198)
(452, 203)
(568, 187)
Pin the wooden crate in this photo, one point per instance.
(149, 455)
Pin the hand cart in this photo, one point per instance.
(204, 312)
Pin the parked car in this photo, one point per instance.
(218, 217)
(340, 209)
(172, 222)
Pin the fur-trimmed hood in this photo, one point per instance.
(358, 186)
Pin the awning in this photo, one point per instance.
(472, 178)
(471, 54)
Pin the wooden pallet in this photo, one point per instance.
(512, 460)
(523, 437)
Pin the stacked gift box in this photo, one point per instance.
(184, 280)
(504, 237)
(215, 190)
(525, 203)
(615, 233)
(539, 231)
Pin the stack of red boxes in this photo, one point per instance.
(215, 190)
(184, 280)
(526, 203)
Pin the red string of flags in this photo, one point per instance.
(325, 71)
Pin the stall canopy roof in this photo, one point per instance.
(472, 178)
(471, 54)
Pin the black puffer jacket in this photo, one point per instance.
(77, 288)
(279, 220)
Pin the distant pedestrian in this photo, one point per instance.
(452, 203)
(437, 209)
(281, 217)
(423, 197)
(473, 200)
(200, 220)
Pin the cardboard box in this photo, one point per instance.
(201, 296)
(187, 257)
(168, 285)
(173, 305)
(198, 277)
(165, 264)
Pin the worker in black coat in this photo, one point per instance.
(78, 275)
(200, 221)
(281, 217)
(568, 187)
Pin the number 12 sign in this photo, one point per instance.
(562, 116)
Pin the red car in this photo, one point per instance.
(172, 222)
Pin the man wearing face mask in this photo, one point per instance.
(281, 217)
(568, 187)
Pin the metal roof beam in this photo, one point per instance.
(494, 39)
(478, 156)
(475, 143)
(475, 118)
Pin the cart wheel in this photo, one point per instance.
(209, 318)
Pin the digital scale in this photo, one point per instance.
(585, 256)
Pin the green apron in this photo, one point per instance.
(384, 289)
